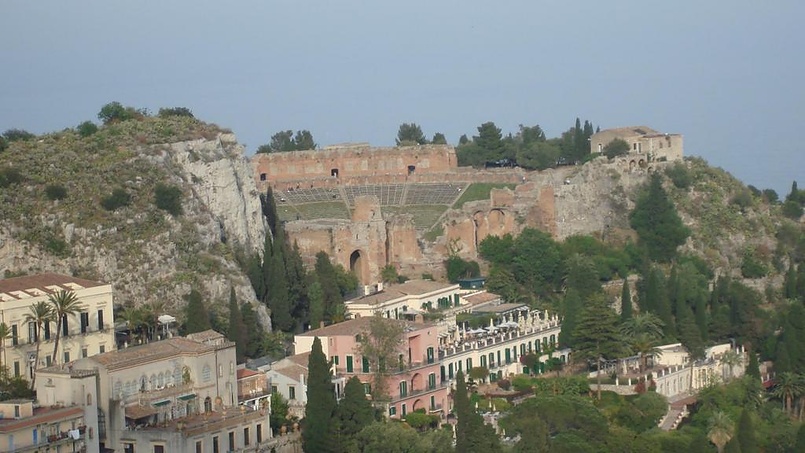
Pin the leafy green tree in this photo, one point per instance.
(792, 209)
(196, 317)
(288, 141)
(64, 304)
(439, 139)
(115, 112)
(86, 129)
(790, 282)
(354, 413)
(168, 198)
(679, 175)
(596, 337)
(279, 412)
(410, 134)
(319, 429)
(626, 302)
(770, 195)
(463, 140)
(615, 148)
(657, 223)
(389, 274)
(303, 141)
(458, 268)
(237, 330)
(379, 344)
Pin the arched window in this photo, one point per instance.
(89, 399)
(207, 404)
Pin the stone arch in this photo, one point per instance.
(641, 163)
(357, 265)
(632, 165)
(417, 405)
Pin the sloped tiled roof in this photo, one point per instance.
(42, 284)
(151, 352)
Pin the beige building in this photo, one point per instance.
(646, 145)
(175, 395)
(27, 428)
(85, 334)
(406, 299)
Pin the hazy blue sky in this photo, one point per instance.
(726, 74)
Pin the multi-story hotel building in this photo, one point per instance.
(174, 395)
(413, 381)
(89, 332)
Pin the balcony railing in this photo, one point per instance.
(498, 339)
(53, 440)
(163, 393)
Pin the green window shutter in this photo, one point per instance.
(350, 366)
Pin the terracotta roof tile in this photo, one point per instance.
(41, 282)
(41, 415)
(123, 358)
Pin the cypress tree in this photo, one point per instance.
(318, 433)
(237, 331)
(472, 434)
(325, 272)
(662, 306)
(254, 346)
(316, 297)
(572, 307)
(278, 298)
(753, 367)
(626, 302)
(297, 285)
(354, 413)
(747, 436)
(196, 317)
(790, 282)
(800, 293)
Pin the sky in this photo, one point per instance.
(727, 74)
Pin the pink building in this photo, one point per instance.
(413, 383)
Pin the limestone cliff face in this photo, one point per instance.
(147, 254)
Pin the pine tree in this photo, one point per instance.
(196, 317)
(626, 301)
(318, 433)
(747, 436)
(354, 413)
(237, 331)
(596, 336)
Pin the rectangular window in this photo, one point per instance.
(128, 448)
(84, 353)
(16, 411)
(215, 447)
(232, 441)
(259, 432)
(159, 449)
(350, 365)
(101, 349)
(31, 332)
(100, 320)
(469, 364)
(274, 389)
(335, 360)
(365, 364)
(403, 410)
(432, 402)
(16, 369)
(65, 328)
(403, 389)
(84, 322)
(367, 388)
(15, 340)
(291, 392)
(47, 331)
(48, 360)
(392, 411)
(246, 438)
(199, 447)
(431, 381)
(66, 356)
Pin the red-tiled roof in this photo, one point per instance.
(245, 372)
(41, 416)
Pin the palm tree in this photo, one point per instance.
(788, 387)
(132, 317)
(643, 323)
(5, 333)
(645, 346)
(64, 303)
(41, 314)
(731, 359)
(721, 430)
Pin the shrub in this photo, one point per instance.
(752, 267)
(55, 192)
(57, 247)
(743, 199)
(679, 175)
(616, 148)
(505, 384)
(792, 209)
(118, 199)
(13, 135)
(3, 144)
(175, 111)
(168, 198)
(10, 176)
(87, 128)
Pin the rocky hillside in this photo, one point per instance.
(729, 222)
(85, 205)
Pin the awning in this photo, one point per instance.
(161, 403)
(189, 396)
(137, 412)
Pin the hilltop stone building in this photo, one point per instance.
(646, 145)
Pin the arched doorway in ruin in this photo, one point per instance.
(357, 266)
(496, 221)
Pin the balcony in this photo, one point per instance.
(498, 339)
(149, 396)
(54, 440)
